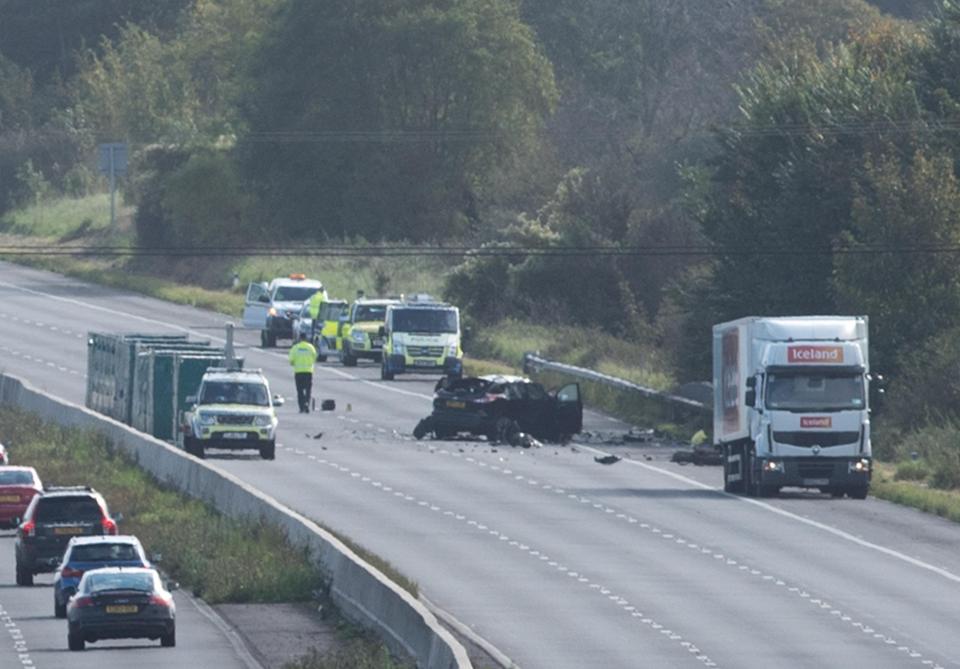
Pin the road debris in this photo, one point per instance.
(607, 459)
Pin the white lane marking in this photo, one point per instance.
(543, 559)
(16, 635)
(800, 519)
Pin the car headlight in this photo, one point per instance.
(453, 350)
(358, 336)
(272, 311)
(207, 419)
(262, 421)
(398, 348)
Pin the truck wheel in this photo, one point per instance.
(858, 493)
(733, 460)
(269, 451)
(384, 374)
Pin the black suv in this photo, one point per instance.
(53, 517)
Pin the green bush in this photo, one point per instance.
(911, 471)
(938, 447)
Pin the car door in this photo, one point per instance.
(569, 409)
(256, 306)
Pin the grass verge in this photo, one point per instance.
(914, 493)
(218, 558)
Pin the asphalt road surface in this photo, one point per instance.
(557, 560)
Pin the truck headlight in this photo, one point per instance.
(262, 421)
(452, 350)
(207, 419)
(398, 348)
(859, 466)
(773, 466)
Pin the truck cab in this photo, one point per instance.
(272, 307)
(791, 404)
(421, 336)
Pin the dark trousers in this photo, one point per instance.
(304, 383)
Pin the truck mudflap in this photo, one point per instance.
(838, 476)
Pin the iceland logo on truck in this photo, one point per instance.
(832, 355)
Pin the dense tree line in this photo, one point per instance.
(799, 144)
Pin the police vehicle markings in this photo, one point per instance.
(16, 635)
(540, 556)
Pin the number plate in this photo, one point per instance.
(234, 435)
(9, 498)
(816, 482)
(456, 405)
(68, 530)
(122, 608)
(424, 362)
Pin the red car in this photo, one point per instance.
(18, 485)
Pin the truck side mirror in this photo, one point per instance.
(751, 398)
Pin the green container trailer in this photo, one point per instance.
(154, 401)
(111, 360)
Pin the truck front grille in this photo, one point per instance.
(425, 351)
(815, 470)
(234, 419)
(810, 439)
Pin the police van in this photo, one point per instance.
(421, 336)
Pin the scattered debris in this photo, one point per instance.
(607, 459)
(328, 405)
(702, 455)
(318, 435)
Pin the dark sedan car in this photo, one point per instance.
(500, 407)
(121, 603)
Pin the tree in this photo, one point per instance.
(385, 118)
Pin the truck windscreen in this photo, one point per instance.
(433, 321)
(815, 392)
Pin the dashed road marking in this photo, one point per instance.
(16, 636)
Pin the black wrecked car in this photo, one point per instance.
(501, 407)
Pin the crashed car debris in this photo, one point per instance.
(508, 409)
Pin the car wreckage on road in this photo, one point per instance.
(502, 408)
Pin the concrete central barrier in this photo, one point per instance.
(363, 594)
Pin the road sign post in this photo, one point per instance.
(113, 162)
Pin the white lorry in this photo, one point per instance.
(790, 404)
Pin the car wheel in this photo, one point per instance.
(271, 339)
(347, 359)
(384, 374)
(321, 357)
(423, 428)
(59, 610)
(505, 429)
(24, 576)
(269, 451)
(169, 640)
(263, 339)
(75, 641)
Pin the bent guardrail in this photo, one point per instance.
(653, 404)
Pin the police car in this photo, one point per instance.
(272, 307)
(233, 410)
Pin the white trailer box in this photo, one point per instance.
(790, 403)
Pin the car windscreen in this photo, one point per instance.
(293, 293)
(67, 510)
(104, 553)
(16, 477)
(370, 312)
(432, 321)
(119, 581)
(225, 392)
(807, 391)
